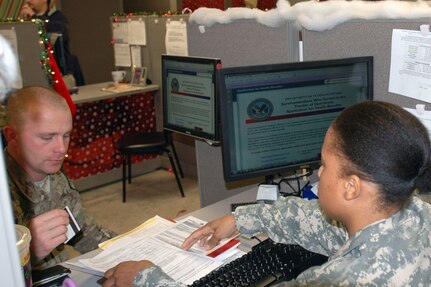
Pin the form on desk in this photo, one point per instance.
(159, 241)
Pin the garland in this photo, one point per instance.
(44, 55)
(128, 15)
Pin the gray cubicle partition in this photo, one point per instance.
(363, 38)
(156, 31)
(151, 53)
(151, 58)
(239, 43)
(29, 52)
(244, 43)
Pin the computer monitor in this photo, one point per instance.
(190, 96)
(274, 117)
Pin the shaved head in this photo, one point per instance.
(39, 124)
(26, 104)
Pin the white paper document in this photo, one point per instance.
(120, 32)
(136, 55)
(137, 33)
(410, 73)
(122, 55)
(181, 265)
(159, 241)
(176, 38)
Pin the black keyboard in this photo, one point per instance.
(266, 264)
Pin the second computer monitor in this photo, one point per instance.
(190, 96)
(274, 117)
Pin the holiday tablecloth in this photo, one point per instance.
(98, 125)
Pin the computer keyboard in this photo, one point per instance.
(266, 264)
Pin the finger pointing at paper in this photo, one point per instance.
(211, 233)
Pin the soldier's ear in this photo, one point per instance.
(9, 133)
(352, 188)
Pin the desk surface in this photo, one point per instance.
(91, 93)
(207, 213)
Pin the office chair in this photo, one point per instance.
(146, 143)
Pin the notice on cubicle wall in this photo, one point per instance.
(128, 35)
(137, 33)
(122, 55)
(410, 71)
(176, 38)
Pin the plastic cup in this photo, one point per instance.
(23, 238)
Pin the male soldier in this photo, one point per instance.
(39, 124)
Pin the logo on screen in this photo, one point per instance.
(175, 85)
(260, 109)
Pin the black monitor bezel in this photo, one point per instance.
(268, 172)
(210, 138)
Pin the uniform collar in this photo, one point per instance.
(373, 233)
(22, 183)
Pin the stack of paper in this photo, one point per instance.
(121, 88)
(159, 240)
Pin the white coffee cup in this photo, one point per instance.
(117, 76)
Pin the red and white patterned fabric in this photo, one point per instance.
(98, 125)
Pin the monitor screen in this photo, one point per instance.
(274, 117)
(190, 96)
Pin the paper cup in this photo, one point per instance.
(23, 238)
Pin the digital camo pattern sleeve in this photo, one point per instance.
(154, 277)
(92, 233)
(292, 220)
(395, 251)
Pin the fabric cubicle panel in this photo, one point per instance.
(29, 52)
(240, 43)
(363, 38)
(156, 31)
(244, 42)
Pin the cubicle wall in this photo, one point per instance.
(244, 43)
(151, 58)
(247, 43)
(155, 27)
(29, 52)
(240, 43)
(363, 38)
(156, 31)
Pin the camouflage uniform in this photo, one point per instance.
(29, 200)
(2, 115)
(395, 251)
